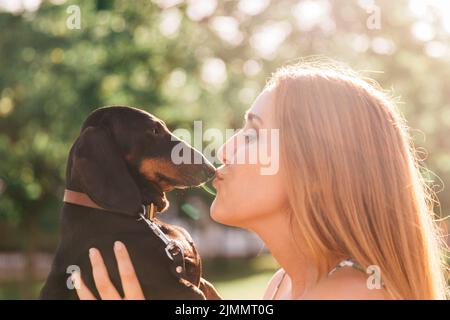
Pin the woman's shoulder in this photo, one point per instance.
(273, 283)
(346, 284)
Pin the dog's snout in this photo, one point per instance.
(194, 168)
(201, 172)
(209, 171)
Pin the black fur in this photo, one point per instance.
(105, 163)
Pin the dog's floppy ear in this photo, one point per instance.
(102, 172)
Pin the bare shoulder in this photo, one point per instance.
(272, 284)
(345, 284)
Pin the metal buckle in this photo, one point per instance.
(143, 213)
(170, 244)
(148, 212)
(173, 245)
(175, 253)
(173, 249)
(152, 212)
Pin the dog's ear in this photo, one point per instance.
(102, 172)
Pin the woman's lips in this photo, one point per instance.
(220, 174)
(216, 181)
(219, 177)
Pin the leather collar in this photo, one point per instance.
(82, 199)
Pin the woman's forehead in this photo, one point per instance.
(262, 106)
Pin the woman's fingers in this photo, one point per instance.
(82, 290)
(105, 288)
(130, 283)
(101, 278)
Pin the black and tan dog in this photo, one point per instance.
(120, 162)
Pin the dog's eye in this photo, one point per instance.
(157, 130)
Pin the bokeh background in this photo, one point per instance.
(184, 61)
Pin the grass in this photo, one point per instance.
(249, 288)
(19, 291)
(241, 279)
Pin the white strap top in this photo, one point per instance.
(342, 264)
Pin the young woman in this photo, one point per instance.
(347, 215)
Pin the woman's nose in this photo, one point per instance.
(226, 152)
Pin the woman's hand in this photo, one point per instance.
(130, 283)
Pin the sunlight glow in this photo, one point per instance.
(170, 22)
(423, 31)
(200, 9)
(383, 45)
(436, 49)
(214, 71)
(311, 13)
(253, 7)
(177, 78)
(421, 9)
(360, 42)
(269, 37)
(164, 4)
(251, 67)
(18, 6)
(227, 28)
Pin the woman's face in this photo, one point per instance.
(249, 185)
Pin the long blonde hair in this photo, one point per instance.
(354, 186)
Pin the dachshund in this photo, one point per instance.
(119, 166)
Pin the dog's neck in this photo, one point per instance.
(82, 199)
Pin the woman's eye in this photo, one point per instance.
(249, 138)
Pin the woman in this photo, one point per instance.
(347, 215)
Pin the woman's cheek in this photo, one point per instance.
(226, 203)
(235, 199)
(215, 210)
(219, 208)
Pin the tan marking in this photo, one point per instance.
(150, 167)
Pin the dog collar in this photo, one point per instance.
(82, 199)
(173, 249)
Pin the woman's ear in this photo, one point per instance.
(102, 173)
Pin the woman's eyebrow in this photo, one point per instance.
(251, 117)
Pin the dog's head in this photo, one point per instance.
(123, 159)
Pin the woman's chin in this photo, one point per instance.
(214, 210)
(218, 212)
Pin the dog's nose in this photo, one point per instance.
(208, 171)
